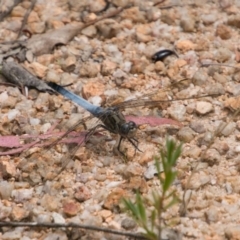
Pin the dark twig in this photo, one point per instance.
(26, 17)
(159, 2)
(67, 225)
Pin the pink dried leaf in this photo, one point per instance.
(10, 141)
(153, 121)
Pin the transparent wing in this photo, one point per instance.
(165, 95)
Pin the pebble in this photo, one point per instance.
(228, 129)
(153, 14)
(138, 183)
(37, 27)
(21, 195)
(45, 127)
(197, 127)
(58, 236)
(7, 168)
(177, 112)
(4, 96)
(200, 78)
(114, 198)
(212, 214)
(193, 152)
(234, 20)
(19, 213)
(45, 59)
(6, 189)
(138, 66)
(160, 67)
(120, 3)
(203, 107)
(133, 169)
(212, 157)
(5, 212)
(58, 218)
(185, 45)
(198, 180)
(108, 67)
(223, 54)
(205, 139)
(50, 202)
(186, 134)
(38, 69)
(12, 235)
(44, 218)
(18, 11)
(90, 31)
(68, 66)
(34, 121)
(82, 194)
(107, 28)
(223, 31)
(221, 147)
(232, 232)
(12, 114)
(187, 23)
(134, 14)
(105, 214)
(97, 6)
(92, 89)
(128, 223)
(84, 177)
(150, 172)
(220, 78)
(100, 177)
(89, 69)
(71, 208)
(168, 17)
(42, 102)
(236, 77)
(208, 18)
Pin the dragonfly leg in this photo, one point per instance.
(118, 147)
(134, 144)
(92, 131)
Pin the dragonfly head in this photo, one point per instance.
(128, 129)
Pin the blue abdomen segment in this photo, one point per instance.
(94, 110)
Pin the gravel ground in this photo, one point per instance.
(110, 61)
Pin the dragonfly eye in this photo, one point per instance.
(128, 128)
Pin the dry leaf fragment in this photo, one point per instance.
(18, 75)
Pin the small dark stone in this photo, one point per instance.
(197, 127)
(128, 223)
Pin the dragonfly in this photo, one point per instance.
(110, 119)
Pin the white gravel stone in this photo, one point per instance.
(58, 218)
(34, 121)
(150, 172)
(13, 114)
(6, 189)
(177, 112)
(20, 195)
(203, 107)
(12, 235)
